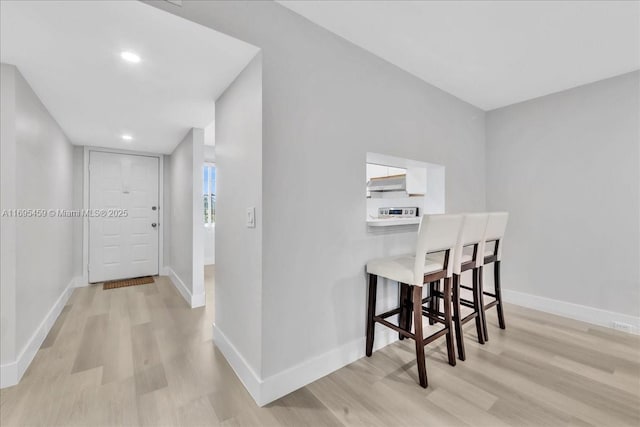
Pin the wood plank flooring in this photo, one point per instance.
(140, 356)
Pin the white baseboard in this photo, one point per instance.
(179, 284)
(283, 383)
(194, 301)
(198, 300)
(245, 373)
(271, 388)
(278, 385)
(11, 373)
(583, 313)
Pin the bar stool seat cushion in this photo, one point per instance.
(400, 268)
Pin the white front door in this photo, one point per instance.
(124, 213)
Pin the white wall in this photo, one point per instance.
(7, 224)
(328, 102)
(238, 311)
(184, 200)
(44, 261)
(209, 236)
(44, 179)
(209, 150)
(566, 166)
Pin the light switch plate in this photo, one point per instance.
(251, 217)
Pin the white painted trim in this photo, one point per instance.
(194, 301)
(85, 204)
(283, 383)
(278, 385)
(245, 373)
(269, 389)
(179, 284)
(583, 313)
(11, 373)
(198, 300)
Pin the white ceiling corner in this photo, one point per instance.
(491, 53)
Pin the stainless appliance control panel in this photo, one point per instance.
(397, 212)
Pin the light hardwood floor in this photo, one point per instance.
(140, 356)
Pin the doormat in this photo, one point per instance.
(127, 282)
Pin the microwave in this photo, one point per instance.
(398, 212)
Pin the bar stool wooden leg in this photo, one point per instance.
(496, 270)
(481, 301)
(402, 321)
(448, 324)
(456, 316)
(477, 306)
(418, 335)
(371, 311)
(409, 307)
(433, 301)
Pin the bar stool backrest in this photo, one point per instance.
(436, 233)
(473, 231)
(496, 226)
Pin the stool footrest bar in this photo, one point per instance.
(466, 303)
(394, 327)
(491, 304)
(389, 313)
(435, 317)
(435, 336)
(426, 299)
(468, 317)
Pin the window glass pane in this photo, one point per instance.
(209, 193)
(205, 192)
(205, 181)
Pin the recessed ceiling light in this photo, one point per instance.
(127, 137)
(130, 56)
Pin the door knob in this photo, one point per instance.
(153, 224)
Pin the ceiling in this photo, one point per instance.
(69, 52)
(491, 53)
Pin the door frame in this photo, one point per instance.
(85, 204)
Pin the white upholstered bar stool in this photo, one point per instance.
(472, 237)
(468, 256)
(437, 233)
(496, 227)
